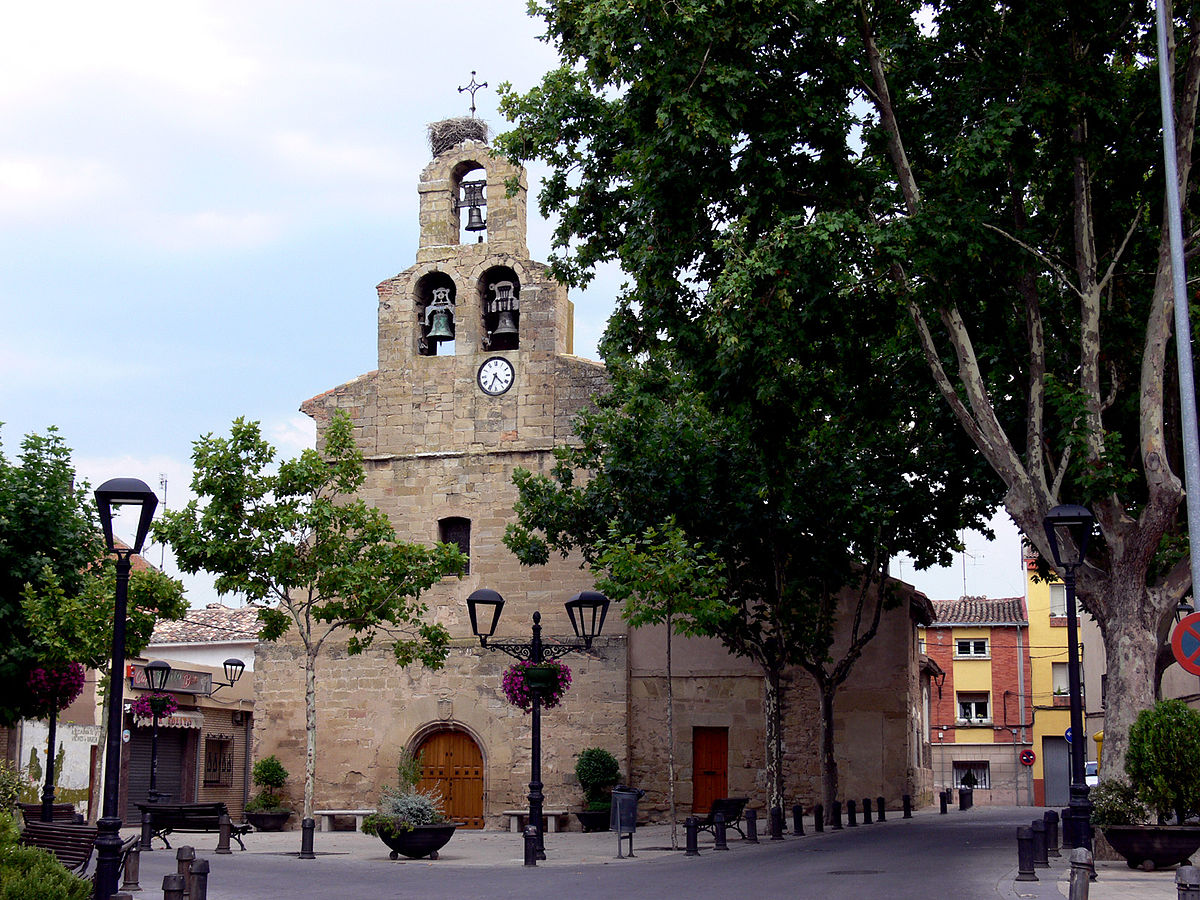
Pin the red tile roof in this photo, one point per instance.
(213, 624)
(980, 611)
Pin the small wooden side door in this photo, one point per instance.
(710, 767)
(452, 764)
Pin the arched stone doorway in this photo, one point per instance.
(452, 764)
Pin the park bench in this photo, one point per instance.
(192, 817)
(324, 817)
(731, 809)
(71, 844)
(59, 812)
(555, 819)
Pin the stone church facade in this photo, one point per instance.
(476, 378)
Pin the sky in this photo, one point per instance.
(198, 198)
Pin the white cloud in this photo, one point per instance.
(38, 187)
(291, 435)
(208, 230)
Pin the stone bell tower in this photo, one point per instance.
(475, 379)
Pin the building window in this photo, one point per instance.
(457, 530)
(1058, 678)
(1058, 600)
(980, 772)
(920, 645)
(973, 709)
(971, 648)
(218, 760)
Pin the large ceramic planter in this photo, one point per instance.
(268, 821)
(1156, 845)
(423, 840)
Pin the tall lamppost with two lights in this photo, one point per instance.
(1068, 530)
(133, 493)
(586, 610)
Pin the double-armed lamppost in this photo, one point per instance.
(118, 492)
(1068, 530)
(586, 610)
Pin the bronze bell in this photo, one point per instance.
(475, 219)
(441, 326)
(506, 325)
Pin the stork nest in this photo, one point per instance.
(450, 132)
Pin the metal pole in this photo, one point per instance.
(1081, 806)
(108, 837)
(1183, 331)
(536, 655)
(152, 794)
(48, 790)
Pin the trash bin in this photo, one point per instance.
(623, 817)
(966, 798)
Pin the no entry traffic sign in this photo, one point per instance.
(1185, 643)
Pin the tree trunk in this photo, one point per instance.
(310, 727)
(774, 741)
(671, 744)
(1130, 648)
(96, 798)
(829, 767)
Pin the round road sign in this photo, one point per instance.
(1185, 643)
(1027, 757)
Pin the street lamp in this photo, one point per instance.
(117, 492)
(233, 671)
(157, 673)
(586, 611)
(1068, 529)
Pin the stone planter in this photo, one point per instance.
(423, 840)
(593, 820)
(1154, 846)
(268, 820)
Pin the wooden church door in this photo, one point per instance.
(452, 764)
(710, 767)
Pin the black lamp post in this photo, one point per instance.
(586, 610)
(157, 673)
(135, 493)
(233, 672)
(48, 789)
(1068, 530)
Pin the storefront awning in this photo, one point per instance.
(180, 719)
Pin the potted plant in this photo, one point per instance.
(265, 810)
(597, 771)
(550, 679)
(411, 822)
(1163, 765)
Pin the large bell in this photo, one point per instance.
(441, 327)
(475, 219)
(506, 325)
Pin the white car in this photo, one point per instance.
(1091, 775)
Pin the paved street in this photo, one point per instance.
(962, 855)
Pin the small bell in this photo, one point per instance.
(506, 325)
(475, 219)
(441, 326)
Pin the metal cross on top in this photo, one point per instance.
(472, 87)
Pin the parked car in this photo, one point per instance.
(1091, 775)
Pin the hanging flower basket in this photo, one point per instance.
(56, 687)
(149, 706)
(550, 679)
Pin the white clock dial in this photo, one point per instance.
(495, 376)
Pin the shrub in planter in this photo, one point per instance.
(597, 771)
(266, 809)
(411, 822)
(1163, 760)
(1116, 803)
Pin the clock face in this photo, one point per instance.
(495, 376)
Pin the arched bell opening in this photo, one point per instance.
(500, 300)
(434, 303)
(470, 194)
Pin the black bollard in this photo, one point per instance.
(1025, 854)
(1038, 827)
(1068, 829)
(1083, 871)
(837, 815)
(906, 802)
(851, 814)
(147, 830)
(819, 817)
(777, 824)
(1187, 883)
(879, 809)
(866, 810)
(173, 887)
(133, 866)
(198, 880)
(944, 802)
(691, 825)
(798, 819)
(966, 798)
(184, 857)
(1050, 817)
(307, 827)
(751, 826)
(531, 845)
(719, 832)
(224, 832)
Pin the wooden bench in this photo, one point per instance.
(556, 819)
(731, 809)
(324, 817)
(59, 812)
(71, 844)
(191, 817)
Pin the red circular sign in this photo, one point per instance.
(1027, 757)
(1185, 643)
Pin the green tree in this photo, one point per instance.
(995, 168)
(1163, 762)
(298, 543)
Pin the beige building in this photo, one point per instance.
(477, 378)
